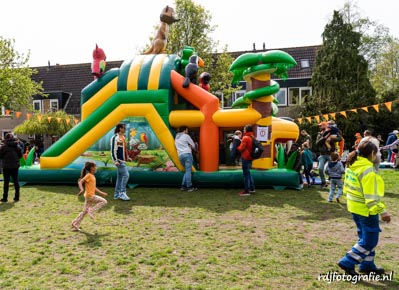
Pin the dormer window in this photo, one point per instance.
(304, 63)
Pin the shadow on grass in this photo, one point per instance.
(92, 240)
(6, 206)
(224, 200)
(391, 194)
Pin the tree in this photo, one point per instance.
(194, 29)
(16, 85)
(374, 36)
(340, 77)
(385, 77)
(54, 124)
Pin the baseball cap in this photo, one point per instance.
(396, 132)
(323, 124)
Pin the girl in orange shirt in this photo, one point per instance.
(87, 184)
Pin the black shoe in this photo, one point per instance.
(16, 199)
(377, 271)
(348, 271)
(3, 200)
(338, 200)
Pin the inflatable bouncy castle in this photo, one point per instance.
(147, 94)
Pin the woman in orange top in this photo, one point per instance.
(87, 184)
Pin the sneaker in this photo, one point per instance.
(3, 200)
(330, 201)
(191, 189)
(183, 188)
(348, 271)
(123, 196)
(75, 228)
(377, 271)
(252, 191)
(16, 199)
(116, 196)
(243, 193)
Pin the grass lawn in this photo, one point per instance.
(167, 239)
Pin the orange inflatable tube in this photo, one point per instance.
(208, 104)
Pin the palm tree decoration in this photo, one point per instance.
(255, 69)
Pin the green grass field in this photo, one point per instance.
(167, 239)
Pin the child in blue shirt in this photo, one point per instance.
(335, 169)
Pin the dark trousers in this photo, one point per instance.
(9, 173)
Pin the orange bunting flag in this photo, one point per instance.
(332, 116)
(39, 117)
(76, 121)
(68, 121)
(365, 109)
(389, 106)
(325, 117)
(309, 119)
(299, 121)
(343, 113)
(376, 107)
(58, 120)
(28, 116)
(18, 114)
(353, 110)
(317, 119)
(49, 119)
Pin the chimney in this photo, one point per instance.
(254, 46)
(264, 46)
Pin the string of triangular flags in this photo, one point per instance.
(329, 116)
(28, 116)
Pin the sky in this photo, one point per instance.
(66, 32)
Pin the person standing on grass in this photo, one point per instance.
(185, 146)
(363, 189)
(119, 157)
(10, 153)
(93, 202)
(335, 169)
(324, 153)
(307, 162)
(246, 160)
(368, 136)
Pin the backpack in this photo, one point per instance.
(257, 148)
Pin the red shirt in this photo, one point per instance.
(246, 146)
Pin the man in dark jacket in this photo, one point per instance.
(10, 153)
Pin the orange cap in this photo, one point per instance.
(323, 124)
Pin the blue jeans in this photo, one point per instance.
(122, 177)
(186, 159)
(323, 159)
(249, 184)
(335, 183)
(363, 251)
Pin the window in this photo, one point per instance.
(297, 96)
(304, 63)
(37, 105)
(234, 96)
(53, 105)
(281, 97)
(293, 97)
